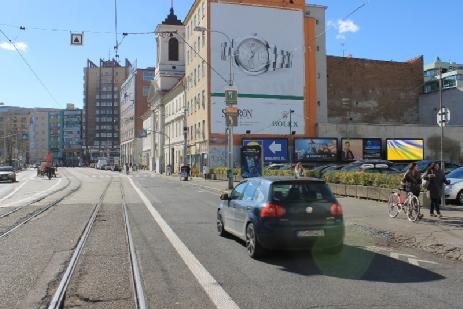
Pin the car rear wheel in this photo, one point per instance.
(220, 226)
(252, 245)
(460, 198)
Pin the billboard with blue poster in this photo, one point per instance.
(275, 150)
(251, 161)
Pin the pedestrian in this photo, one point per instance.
(205, 171)
(299, 170)
(127, 168)
(436, 180)
(412, 180)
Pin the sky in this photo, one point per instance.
(378, 29)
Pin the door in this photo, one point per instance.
(245, 206)
(230, 208)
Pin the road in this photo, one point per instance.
(184, 264)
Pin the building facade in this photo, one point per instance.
(14, 135)
(55, 136)
(275, 73)
(372, 91)
(134, 103)
(38, 134)
(102, 108)
(72, 136)
(452, 92)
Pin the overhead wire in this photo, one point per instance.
(30, 68)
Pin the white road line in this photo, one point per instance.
(216, 293)
(31, 198)
(16, 190)
(416, 262)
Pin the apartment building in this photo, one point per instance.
(14, 135)
(134, 103)
(38, 134)
(102, 84)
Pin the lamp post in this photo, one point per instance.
(229, 128)
(442, 125)
(291, 111)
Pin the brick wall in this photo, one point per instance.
(371, 91)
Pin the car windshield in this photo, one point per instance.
(6, 169)
(458, 173)
(301, 192)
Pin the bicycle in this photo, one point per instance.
(411, 206)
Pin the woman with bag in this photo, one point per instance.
(299, 170)
(436, 179)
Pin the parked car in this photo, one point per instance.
(378, 168)
(116, 168)
(282, 213)
(7, 173)
(332, 168)
(424, 164)
(101, 164)
(279, 166)
(454, 191)
(356, 166)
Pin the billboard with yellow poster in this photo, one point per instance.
(405, 149)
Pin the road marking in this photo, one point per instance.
(410, 258)
(216, 293)
(16, 190)
(35, 195)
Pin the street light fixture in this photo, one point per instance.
(229, 128)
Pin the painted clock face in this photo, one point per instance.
(252, 56)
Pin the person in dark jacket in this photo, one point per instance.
(412, 180)
(436, 180)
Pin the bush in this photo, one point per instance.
(391, 181)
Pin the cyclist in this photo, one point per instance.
(412, 181)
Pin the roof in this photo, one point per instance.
(172, 19)
(286, 178)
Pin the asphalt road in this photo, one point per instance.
(184, 264)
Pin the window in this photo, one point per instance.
(199, 43)
(195, 49)
(249, 192)
(199, 72)
(187, 56)
(238, 192)
(204, 38)
(203, 9)
(194, 77)
(148, 75)
(204, 69)
(146, 90)
(204, 129)
(204, 99)
(173, 49)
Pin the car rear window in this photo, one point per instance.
(301, 192)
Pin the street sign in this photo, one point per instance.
(443, 117)
(231, 96)
(77, 39)
(275, 150)
(24, 136)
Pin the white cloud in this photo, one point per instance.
(343, 27)
(22, 46)
(347, 26)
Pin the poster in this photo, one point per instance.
(405, 149)
(353, 149)
(251, 161)
(316, 149)
(266, 47)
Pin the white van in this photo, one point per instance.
(100, 165)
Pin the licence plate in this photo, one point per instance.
(312, 233)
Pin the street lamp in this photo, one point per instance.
(144, 133)
(229, 128)
(291, 111)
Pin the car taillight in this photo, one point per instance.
(272, 210)
(336, 210)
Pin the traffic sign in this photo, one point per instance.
(77, 39)
(24, 136)
(231, 96)
(443, 117)
(275, 149)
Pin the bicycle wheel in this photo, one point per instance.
(413, 212)
(393, 205)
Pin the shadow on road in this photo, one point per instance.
(353, 263)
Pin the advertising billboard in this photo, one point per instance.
(275, 149)
(251, 161)
(360, 148)
(405, 149)
(316, 149)
(266, 49)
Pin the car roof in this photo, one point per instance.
(6, 167)
(284, 178)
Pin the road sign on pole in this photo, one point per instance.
(231, 96)
(443, 117)
(77, 39)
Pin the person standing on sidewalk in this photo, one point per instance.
(412, 180)
(299, 170)
(436, 179)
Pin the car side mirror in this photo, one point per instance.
(224, 197)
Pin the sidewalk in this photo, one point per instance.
(442, 237)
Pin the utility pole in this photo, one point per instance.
(442, 164)
(291, 134)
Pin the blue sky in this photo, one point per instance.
(382, 29)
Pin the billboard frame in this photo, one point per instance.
(387, 153)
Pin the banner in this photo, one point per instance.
(251, 161)
(405, 149)
(316, 149)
